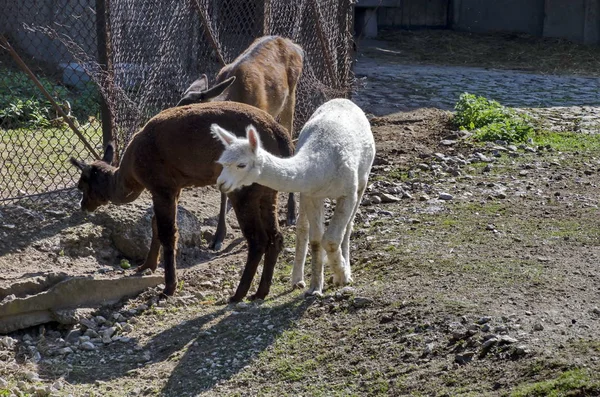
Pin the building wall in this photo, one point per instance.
(576, 20)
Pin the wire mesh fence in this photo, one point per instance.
(107, 66)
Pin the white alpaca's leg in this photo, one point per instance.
(302, 228)
(346, 242)
(334, 236)
(314, 213)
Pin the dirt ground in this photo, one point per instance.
(475, 274)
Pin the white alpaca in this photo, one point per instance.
(333, 159)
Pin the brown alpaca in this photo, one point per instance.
(264, 76)
(175, 149)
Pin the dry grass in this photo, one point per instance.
(500, 50)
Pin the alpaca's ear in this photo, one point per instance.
(253, 138)
(79, 164)
(109, 153)
(223, 135)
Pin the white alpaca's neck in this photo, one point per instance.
(284, 174)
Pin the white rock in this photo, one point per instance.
(8, 342)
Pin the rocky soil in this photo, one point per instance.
(475, 269)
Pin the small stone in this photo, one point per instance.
(3, 383)
(489, 343)
(464, 358)
(445, 196)
(447, 142)
(423, 197)
(388, 198)
(523, 173)
(360, 302)
(483, 320)
(424, 167)
(58, 385)
(375, 200)
(487, 168)
(521, 350)
(596, 310)
(501, 195)
(91, 333)
(32, 376)
(428, 349)
(65, 350)
(88, 346)
(538, 327)
(506, 340)
(8, 342)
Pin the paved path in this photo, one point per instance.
(567, 102)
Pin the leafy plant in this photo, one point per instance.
(23, 105)
(489, 120)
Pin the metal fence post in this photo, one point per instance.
(103, 40)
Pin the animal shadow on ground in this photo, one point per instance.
(229, 339)
(231, 344)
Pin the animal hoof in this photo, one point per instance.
(256, 297)
(216, 245)
(313, 292)
(299, 284)
(145, 267)
(342, 280)
(235, 299)
(291, 221)
(169, 290)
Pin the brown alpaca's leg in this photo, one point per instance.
(268, 212)
(222, 226)
(165, 210)
(247, 209)
(291, 210)
(152, 257)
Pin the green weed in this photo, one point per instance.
(489, 120)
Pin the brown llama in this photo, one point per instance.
(265, 75)
(175, 149)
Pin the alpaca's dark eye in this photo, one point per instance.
(241, 166)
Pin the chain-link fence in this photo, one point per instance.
(107, 66)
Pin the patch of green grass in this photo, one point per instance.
(290, 370)
(490, 121)
(5, 393)
(569, 141)
(576, 382)
(22, 104)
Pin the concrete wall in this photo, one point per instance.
(414, 13)
(524, 16)
(576, 20)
